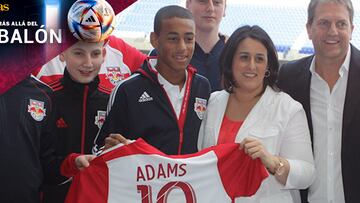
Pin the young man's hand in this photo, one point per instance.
(115, 139)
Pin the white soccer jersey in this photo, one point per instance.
(140, 173)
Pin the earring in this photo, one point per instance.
(231, 87)
(267, 73)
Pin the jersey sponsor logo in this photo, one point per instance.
(36, 109)
(200, 107)
(145, 97)
(100, 118)
(114, 75)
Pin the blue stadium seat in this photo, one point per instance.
(306, 50)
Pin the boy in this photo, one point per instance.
(81, 105)
(121, 60)
(165, 101)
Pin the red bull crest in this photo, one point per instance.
(100, 118)
(200, 107)
(36, 109)
(114, 74)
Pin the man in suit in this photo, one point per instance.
(327, 85)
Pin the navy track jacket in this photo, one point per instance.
(140, 107)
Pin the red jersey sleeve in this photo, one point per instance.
(68, 168)
(133, 58)
(92, 183)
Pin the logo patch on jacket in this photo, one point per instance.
(145, 97)
(200, 107)
(36, 109)
(60, 123)
(115, 75)
(100, 118)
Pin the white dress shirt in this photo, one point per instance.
(327, 113)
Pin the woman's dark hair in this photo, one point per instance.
(226, 58)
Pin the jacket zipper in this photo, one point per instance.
(83, 125)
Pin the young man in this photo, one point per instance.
(81, 105)
(209, 42)
(327, 85)
(165, 101)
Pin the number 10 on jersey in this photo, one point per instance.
(146, 193)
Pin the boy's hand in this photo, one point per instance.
(83, 161)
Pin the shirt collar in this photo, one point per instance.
(344, 67)
(166, 84)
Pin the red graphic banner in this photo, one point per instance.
(33, 32)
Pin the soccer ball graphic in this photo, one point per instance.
(91, 20)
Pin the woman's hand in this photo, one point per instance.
(255, 149)
(276, 165)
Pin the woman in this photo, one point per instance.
(267, 123)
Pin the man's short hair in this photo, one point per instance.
(168, 12)
(314, 3)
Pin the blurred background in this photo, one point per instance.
(283, 20)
